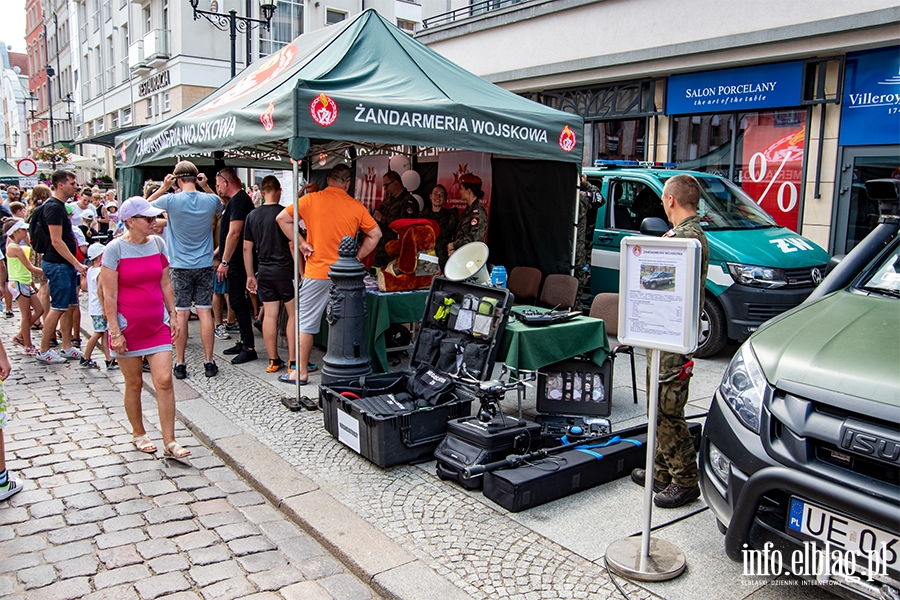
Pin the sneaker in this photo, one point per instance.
(222, 333)
(639, 476)
(112, 364)
(245, 356)
(258, 324)
(236, 349)
(275, 365)
(88, 363)
(675, 495)
(13, 486)
(145, 366)
(50, 357)
(232, 327)
(9, 314)
(211, 369)
(70, 353)
(180, 371)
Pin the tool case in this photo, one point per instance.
(571, 471)
(377, 415)
(471, 442)
(574, 395)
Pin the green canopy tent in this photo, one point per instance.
(366, 83)
(8, 173)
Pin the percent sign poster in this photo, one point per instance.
(773, 163)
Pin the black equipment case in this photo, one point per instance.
(574, 395)
(389, 427)
(472, 442)
(571, 471)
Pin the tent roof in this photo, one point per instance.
(7, 170)
(363, 80)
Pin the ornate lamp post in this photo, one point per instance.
(233, 23)
(68, 100)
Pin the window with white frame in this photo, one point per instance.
(150, 107)
(407, 26)
(287, 24)
(333, 16)
(126, 116)
(148, 22)
(114, 120)
(166, 105)
(100, 125)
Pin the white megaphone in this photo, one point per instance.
(469, 263)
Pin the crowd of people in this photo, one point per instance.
(191, 249)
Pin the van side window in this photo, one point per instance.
(622, 195)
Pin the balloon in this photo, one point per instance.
(420, 201)
(400, 163)
(411, 180)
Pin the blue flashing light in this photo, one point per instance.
(634, 163)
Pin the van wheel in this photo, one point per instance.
(712, 330)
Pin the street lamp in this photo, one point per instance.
(68, 100)
(233, 23)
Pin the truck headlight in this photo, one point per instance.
(754, 276)
(744, 386)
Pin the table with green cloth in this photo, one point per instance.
(531, 348)
(383, 309)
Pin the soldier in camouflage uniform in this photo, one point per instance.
(473, 222)
(588, 197)
(446, 218)
(675, 472)
(398, 204)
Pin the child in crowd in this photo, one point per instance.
(8, 485)
(91, 283)
(18, 254)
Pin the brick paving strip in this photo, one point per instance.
(99, 520)
(410, 534)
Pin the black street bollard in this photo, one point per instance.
(346, 357)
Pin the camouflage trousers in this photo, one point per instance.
(675, 458)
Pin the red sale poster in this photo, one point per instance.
(772, 168)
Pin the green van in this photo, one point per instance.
(757, 269)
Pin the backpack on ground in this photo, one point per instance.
(37, 229)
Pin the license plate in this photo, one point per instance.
(843, 533)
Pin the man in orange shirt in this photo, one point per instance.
(330, 215)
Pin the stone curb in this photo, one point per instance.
(371, 555)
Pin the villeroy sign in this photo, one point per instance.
(870, 111)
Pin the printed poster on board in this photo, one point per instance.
(370, 172)
(456, 166)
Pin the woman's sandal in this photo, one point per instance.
(173, 450)
(144, 444)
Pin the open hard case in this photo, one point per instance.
(377, 415)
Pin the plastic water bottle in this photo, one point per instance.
(498, 276)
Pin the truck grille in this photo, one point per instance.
(814, 441)
(797, 278)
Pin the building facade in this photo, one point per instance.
(793, 101)
(137, 62)
(13, 91)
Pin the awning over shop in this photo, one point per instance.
(362, 81)
(8, 173)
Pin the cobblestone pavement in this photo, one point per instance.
(97, 519)
(460, 535)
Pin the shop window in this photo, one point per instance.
(623, 139)
(767, 153)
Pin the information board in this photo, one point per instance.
(659, 282)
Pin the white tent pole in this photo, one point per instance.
(575, 230)
(296, 332)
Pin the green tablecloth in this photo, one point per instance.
(382, 309)
(532, 348)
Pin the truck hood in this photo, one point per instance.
(848, 342)
(776, 247)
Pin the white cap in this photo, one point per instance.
(137, 206)
(89, 213)
(19, 224)
(95, 250)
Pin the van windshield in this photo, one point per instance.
(724, 205)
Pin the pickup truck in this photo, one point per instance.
(800, 452)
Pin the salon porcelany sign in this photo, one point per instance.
(659, 280)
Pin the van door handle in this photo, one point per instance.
(604, 238)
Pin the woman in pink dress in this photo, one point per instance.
(138, 301)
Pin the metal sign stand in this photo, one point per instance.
(656, 318)
(652, 559)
